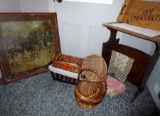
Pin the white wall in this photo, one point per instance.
(141, 44)
(37, 5)
(10, 6)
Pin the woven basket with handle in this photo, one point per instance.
(91, 87)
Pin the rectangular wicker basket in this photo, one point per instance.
(67, 62)
(63, 75)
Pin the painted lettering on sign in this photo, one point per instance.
(147, 14)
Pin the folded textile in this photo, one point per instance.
(114, 87)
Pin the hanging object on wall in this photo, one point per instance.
(58, 1)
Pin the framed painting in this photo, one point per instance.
(28, 42)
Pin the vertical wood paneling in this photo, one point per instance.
(70, 36)
(96, 38)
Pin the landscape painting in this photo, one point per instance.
(27, 46)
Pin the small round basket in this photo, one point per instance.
(91, 87)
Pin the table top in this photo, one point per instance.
(139, 32)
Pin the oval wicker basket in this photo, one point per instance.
(91, 87)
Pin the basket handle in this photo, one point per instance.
(91, 70)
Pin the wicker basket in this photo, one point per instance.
(91, 87)
(66, 62)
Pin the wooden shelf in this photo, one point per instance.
(139, 35)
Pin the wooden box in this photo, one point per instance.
(66, 62)
(144, 14)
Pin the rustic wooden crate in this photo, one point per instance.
(145, 14)
(66, 62)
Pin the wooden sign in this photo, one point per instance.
(145, 14)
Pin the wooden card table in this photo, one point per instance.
(144, 63)
(141, 19)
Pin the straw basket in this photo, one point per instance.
(91, 87)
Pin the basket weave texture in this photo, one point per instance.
(67, 62)
(91, 87)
